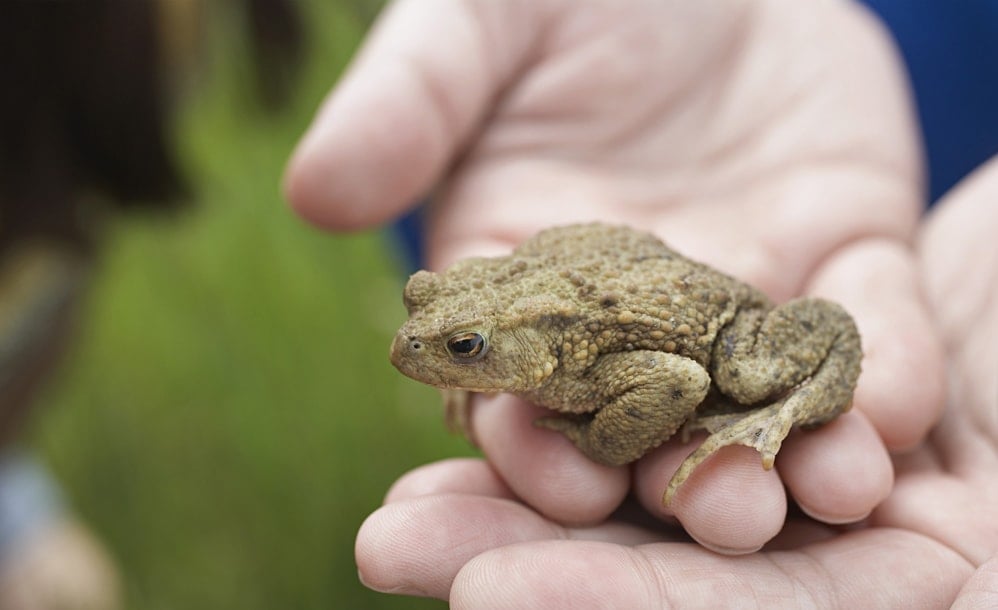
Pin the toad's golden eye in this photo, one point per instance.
(467, 346)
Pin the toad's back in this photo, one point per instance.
(631, 291)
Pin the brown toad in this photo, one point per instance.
(630, 341)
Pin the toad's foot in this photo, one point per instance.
(763, 429)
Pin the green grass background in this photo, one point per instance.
(227, 416)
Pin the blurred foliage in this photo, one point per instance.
(227, 416)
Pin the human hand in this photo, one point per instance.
(455, 529)
(770, 139)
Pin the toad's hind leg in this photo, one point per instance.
(804, 356)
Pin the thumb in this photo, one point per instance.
(957, 253)
(416, 91)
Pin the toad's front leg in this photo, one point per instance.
(641, 398)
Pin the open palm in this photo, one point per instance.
(771, 140)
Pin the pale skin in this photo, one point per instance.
(771, 140)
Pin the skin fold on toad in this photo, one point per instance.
(628, 342)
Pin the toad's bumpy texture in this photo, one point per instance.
(630, 342)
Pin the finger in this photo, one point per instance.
(405, 107)
(542, 467)
(958, 236)
(901, 388)
(960, 265)
(981, 591)
(869, 569)
(457, 475)
(417, 546)
(800, 532)
(730, 504)
(837, 473)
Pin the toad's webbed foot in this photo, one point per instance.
(763, 430)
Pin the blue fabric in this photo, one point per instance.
(407, 238)
(951, 50)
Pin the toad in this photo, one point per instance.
(628, 342)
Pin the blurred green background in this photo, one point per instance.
(228, 416)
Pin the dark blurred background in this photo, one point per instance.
(227, 416)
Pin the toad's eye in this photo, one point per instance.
(467, 346)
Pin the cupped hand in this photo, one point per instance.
(456, 530)
(770, 139)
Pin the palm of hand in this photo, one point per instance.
(755, 138)
(727, 132)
